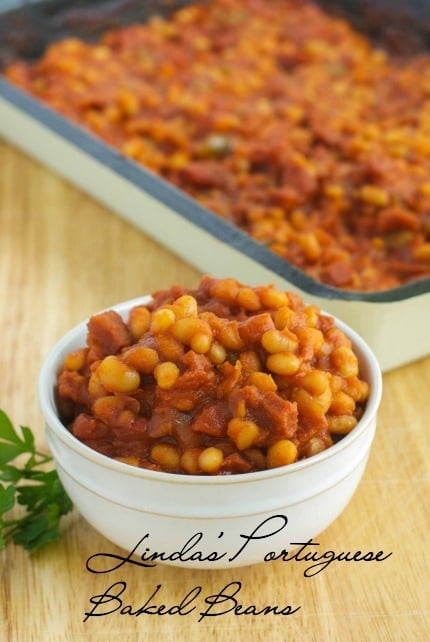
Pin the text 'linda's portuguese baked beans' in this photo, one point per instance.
(274, 115)
(221, 379)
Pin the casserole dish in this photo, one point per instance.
(169, 215)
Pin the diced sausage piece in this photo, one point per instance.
(205, 174)
(87, 427)
(252, 329)
(268, 410)
(73, 386)
(212, 420)
(107, 334)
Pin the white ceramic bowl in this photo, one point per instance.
(208, 521)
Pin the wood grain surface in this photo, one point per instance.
(62, 257)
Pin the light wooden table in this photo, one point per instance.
(63, 256)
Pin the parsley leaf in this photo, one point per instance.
(34, 490)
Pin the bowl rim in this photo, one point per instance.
(49, 369)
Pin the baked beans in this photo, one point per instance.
(274, 115)
(196, 382)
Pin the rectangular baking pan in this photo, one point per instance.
(394, 322)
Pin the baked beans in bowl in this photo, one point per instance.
(192, 417)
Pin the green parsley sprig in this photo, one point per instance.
(30, 485)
